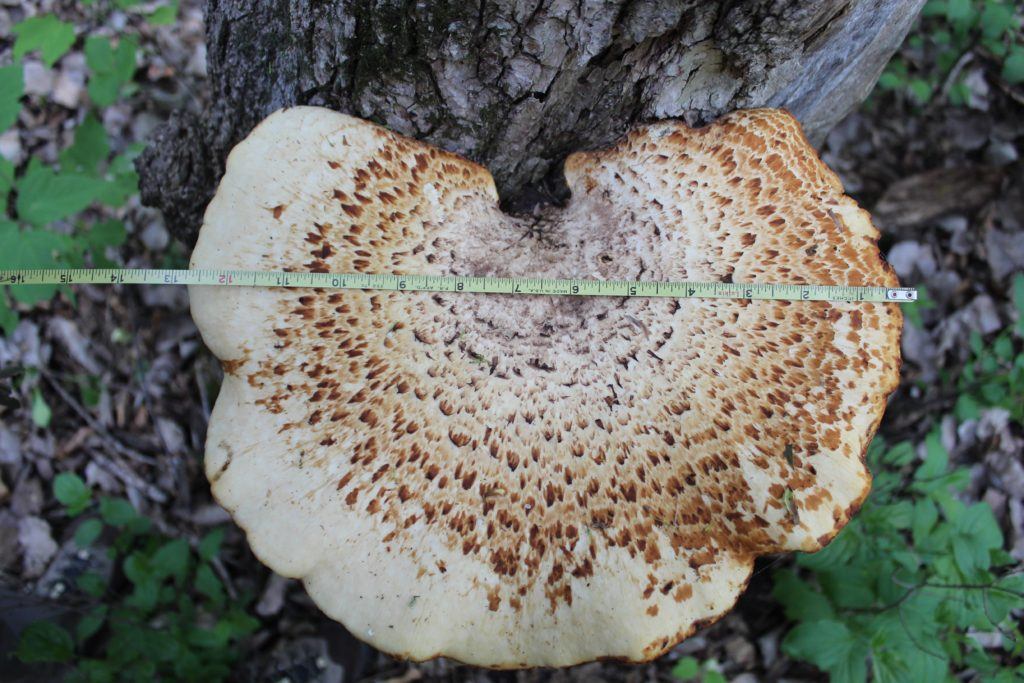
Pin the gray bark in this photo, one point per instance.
(516, 84)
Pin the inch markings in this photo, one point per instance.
(458, 284)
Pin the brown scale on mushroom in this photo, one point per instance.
(554, 479)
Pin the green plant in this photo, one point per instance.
(948, 31)
(47, 226)
(46, 33)
(994, 376)
(912, 312)
(906, 587)
(177, 622)
(690, 669)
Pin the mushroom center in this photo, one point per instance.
(565, 334)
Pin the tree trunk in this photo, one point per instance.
(516, 84)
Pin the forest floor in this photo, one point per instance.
(126, 385)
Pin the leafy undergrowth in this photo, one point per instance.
(920, 586)
(157, 628)
(951, 33)
(994, 375)
(47, 226)
(144, 604)
(907, 588)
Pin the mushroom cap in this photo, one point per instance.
(520, 481)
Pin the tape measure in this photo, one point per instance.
(457, 283)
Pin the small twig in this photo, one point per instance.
(100, 430)
(884, 608)
(128, 477)
(1003, 632)
(1010, 91)
(975, 586)
(919, 646)
(204, 399)
(770, 565)
(225, 577)
(964, 60)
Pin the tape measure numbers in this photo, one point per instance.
(473, 285)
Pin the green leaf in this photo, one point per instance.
(686, 668)
(899, 515)
(44, 641)
(8, 316)
(936, 458)
(920, 89)
(117, 511)
(976, 343)
(899, 455)
(1018, 301)
(90, 623)
(124, 163)
(917, 612)
(45, 196)
(977, 537)
(996, 47)
(71, 492)
(6, 180)
(890, 81)
(111, 67)
(145, 595)
(712, 676)
(959, 93)
(829, 645)
(996, 19)
(801, 602)
(165, 15)
(1003, 347)
(46, 33)
(90, 389)
(30, 249)
(924, 518)
(109, 233)
(6, 183)
(208, 584)
(92, 584)
(959, 11)
(137, 568)
(1005, 596)
(89, 149)
(41, 413)
(934, 8)
(1013, 67)
(913, 311)
(87, 532)
(96, 671)
(12, 87)
(963, 553)
(115, 192)
(849, 586)
(171, 559)
(979, 523)
(839, 551)
(967, 408)
(210, 545)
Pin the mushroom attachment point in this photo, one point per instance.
(517, 481)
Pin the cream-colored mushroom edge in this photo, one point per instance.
(538, 481)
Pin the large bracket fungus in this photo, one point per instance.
(524, 481)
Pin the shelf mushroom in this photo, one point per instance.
(517, 481)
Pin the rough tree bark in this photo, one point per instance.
(516, 84)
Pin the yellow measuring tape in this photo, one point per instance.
(456, 283)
